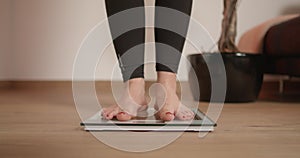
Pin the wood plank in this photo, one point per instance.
(43, 122)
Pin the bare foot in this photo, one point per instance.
(168, 104)
(132, 101)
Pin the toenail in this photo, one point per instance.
(169, 113)
(121, 113)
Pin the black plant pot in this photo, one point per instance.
(244, 74)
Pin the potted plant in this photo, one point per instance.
(244, 71)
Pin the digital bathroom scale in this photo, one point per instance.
(201, 123)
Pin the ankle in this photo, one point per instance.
(136, 81)
(167, 80)
(136, 86)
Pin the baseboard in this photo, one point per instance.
(274, 86)
(99, 85)
(5, 84)
(41, 84)
(267, 87)
(53, 84)
(271, 91)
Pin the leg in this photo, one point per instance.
(131, 61)
(168, 59)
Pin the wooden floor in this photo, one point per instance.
(43, 122)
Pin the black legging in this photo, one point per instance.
(132, 42)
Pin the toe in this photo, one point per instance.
(180, 116)
(184, 113)
(109, 116)
(110, 113)
(104, 111)
(167, 116)
(184, 116)
(189, 117)
(123, 116)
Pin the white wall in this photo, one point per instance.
(250, 13)
(47, 33)
(5, 41)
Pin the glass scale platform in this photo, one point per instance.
(200, 123)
